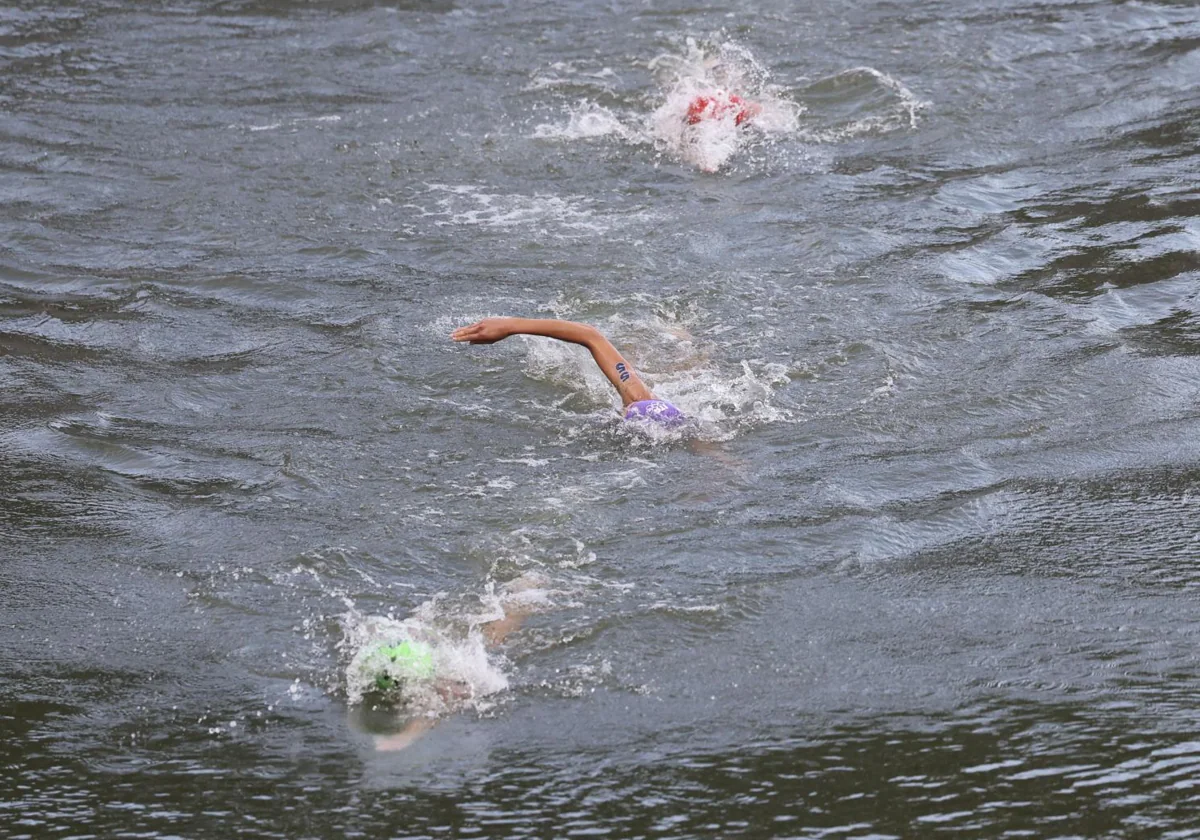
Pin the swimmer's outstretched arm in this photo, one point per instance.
(613, 365)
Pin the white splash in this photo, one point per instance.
(460, 660)
(570, 367)
(716, 101)
(585, 120)
(466, 672)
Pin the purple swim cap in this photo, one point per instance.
(655, 411)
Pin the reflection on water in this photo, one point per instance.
(1078, 769)
(922, 564)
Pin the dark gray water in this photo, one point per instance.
(925, 562)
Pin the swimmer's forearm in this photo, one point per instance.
(610, 361)
(569, 331)
(607, 357)
(490, 330)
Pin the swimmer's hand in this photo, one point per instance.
(487, 331)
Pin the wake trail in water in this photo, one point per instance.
(858, 102)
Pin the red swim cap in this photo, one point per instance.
(718, 107)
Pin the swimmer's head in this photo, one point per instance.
(655, 411)
(404, 662)
(719, 105)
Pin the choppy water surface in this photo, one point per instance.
(924, 563)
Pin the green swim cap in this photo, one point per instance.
(407, 660)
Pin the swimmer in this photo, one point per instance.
(406, 671)
(638, 401)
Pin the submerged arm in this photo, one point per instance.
(407, 736)
(612, 364)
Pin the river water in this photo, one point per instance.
(923, 561)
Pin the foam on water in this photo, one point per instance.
(570, 367)
(567, 74)
(293, 123)
(473, 205)
(587, 119)
(482, 207)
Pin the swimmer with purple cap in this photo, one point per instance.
(640, 404)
